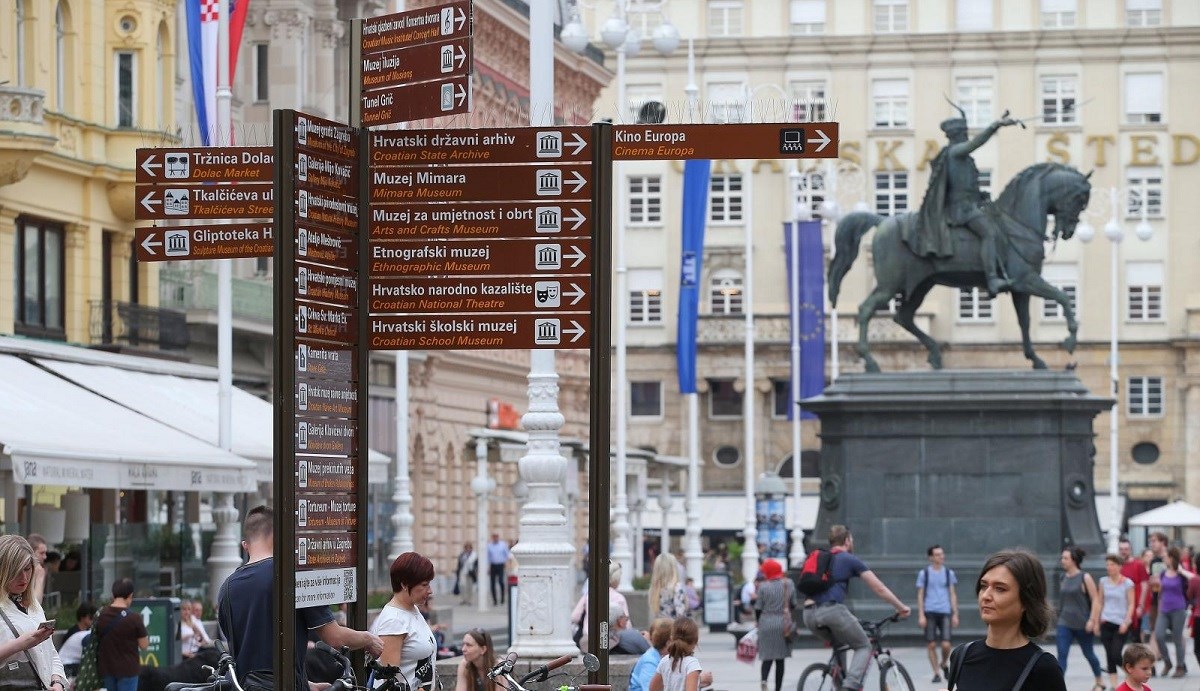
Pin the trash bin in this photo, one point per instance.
(161, 617)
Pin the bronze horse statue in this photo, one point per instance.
(1021, 211)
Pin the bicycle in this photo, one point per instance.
(827, 676)
(224, 676)
(503, 672)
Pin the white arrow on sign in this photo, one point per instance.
(580, 143)
(148, 246)
(823, 140)
(461, 96)
(577, 293)
(578, 182)
(577, 216)
(149, 202)
(148, 165)
(461, 18)
(146, 612)
(576, 254)
(576, 329)
(461, 58)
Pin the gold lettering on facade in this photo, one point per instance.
(1142, 150)
(849, 151)
(885, 150)
(771, 163)
(1056, 146)
(1178, 142)
(932, 147)
(1101, 141)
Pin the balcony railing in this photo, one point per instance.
(131, 324)
(772, 328)
(195, 288)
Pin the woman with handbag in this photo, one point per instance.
(28, 659)
(773, 607)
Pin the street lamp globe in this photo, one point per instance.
(666, 38)
(1143, 231)
(613, 31)
(1112, 230)
(574, 36)
(1085, 232)
(633, 43)
(829, 209)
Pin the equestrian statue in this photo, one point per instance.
(1002, 251)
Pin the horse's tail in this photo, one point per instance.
(850, 231)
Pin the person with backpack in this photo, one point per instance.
(824, 580)
(1011, 590)
(937, 608)
(1172, 613)
(1079, 603)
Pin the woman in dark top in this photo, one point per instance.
(1079, 604)
(1011, 590)
(478, 659)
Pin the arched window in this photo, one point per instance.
(725, 292)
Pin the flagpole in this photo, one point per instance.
(693, 554)
(797, 554)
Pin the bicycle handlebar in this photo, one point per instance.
(540, 673)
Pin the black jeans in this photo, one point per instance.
(496, 581)
(1113, 641)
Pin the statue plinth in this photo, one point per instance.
(973, 460)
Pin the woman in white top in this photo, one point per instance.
(24, 630)
(192, 636)
(679, 670)
(408, 642)
(1116, 614)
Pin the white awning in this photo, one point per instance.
(190, 405)
(53, 432)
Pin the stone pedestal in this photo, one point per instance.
(973, 460)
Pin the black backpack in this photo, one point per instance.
(815, 577)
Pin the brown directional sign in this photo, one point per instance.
(327, 550)
(461, 294)
(162, 244)
(325, 512)
(409, 65)
(326, 436)
(726, 141)
(416, 101)
(509, 145)
(326, 322)
(327, 137)
(415, 27)
(240, 201)
(324, 361)
(467, 221)
(326, 397)
(480, 183)
(334, 211)
(481, 258)
(206, 164)
(325, 246)
(326, 284)
(319, 172)
(479, 332)
(325, 474)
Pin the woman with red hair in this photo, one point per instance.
(773, 609)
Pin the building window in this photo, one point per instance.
(781, 397)
(891, 16)
(1145, 396)
(1143, 97)
(645, 200)
(890, 100)
(975, 98)
(38, 278)
(1065, 277)
(723, 401)
(725, 292)
(985, 183)
(645, 399)
(809, 103)
(1143, 185)
(1140, 13)
(645, 296)
(727, 456)
(262, 72)
(810, 191)
(725, 198)
(973, 15)
(891, 192)
(126, 95)
(807, 17)
(726, 102)
(1058, 96)
(724, 18)
(1144, 286)
(1058, 14)
(974, 305)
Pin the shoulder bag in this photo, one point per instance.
(17, 674)
(88, 678)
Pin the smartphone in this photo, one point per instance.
(46, 625)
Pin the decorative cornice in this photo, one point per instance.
(286, 24)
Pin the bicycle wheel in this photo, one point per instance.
(816, 677)
(893, 677)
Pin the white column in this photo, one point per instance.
(664, 503)
(1113, 231)
(796, 556)
(622, 551)
(402, 519)
(750, 532)
(224, 557)
(692, 552)
(482, 485)
(544, 551)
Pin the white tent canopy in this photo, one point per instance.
(1177, 514)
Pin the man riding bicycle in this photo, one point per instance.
(826, 615)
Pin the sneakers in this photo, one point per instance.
(946, 672)
(937, 678)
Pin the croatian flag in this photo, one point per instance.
(809, 312)
(202, 17)
(695, 212)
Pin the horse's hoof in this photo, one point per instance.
(1038, 363)
(872, 366)
(934, 361)
(1068, 344)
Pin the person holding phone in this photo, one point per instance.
(25, 635)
